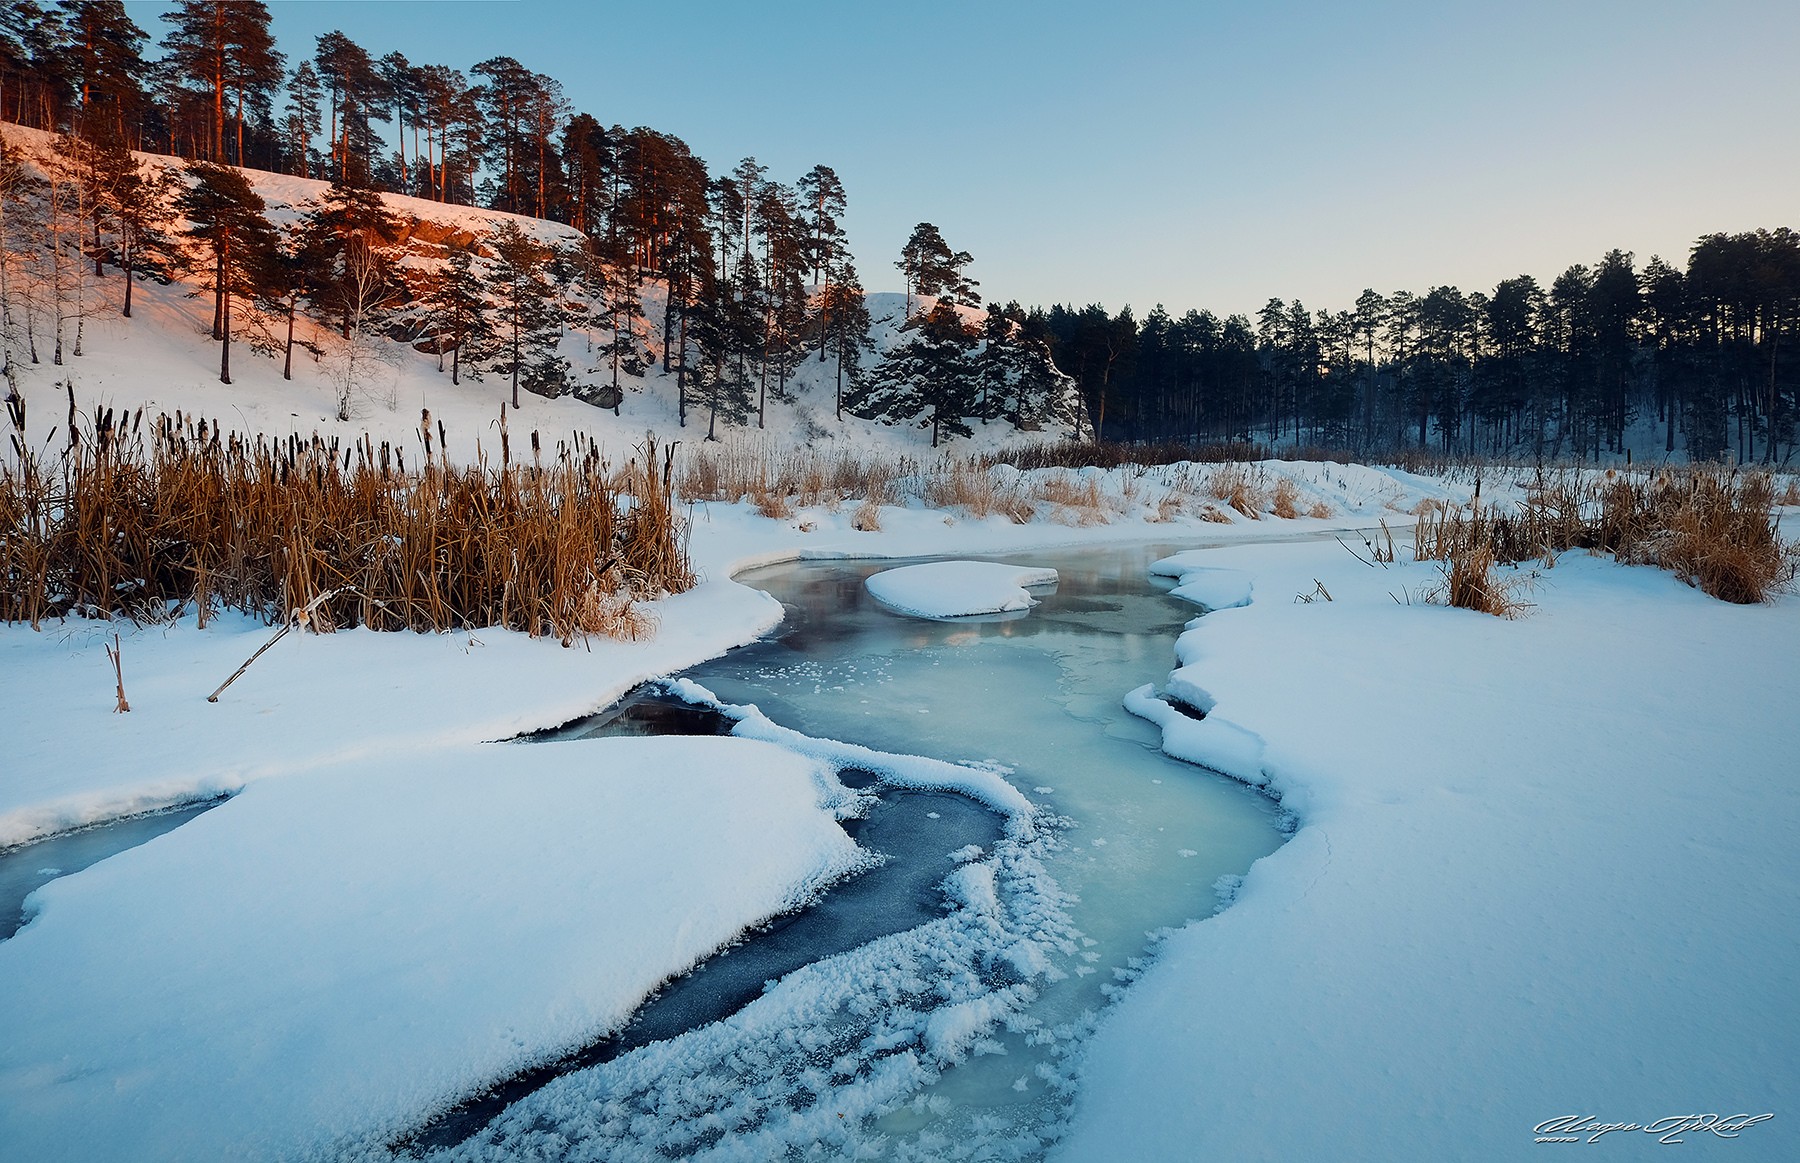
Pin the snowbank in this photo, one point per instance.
(1544, 868)
(339, 954)
(310, 703)
(953, 589)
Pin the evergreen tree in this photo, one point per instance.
(455, 304)
(225, 215)
(35, 70)
(303, 124)
(931, 268)
(587, 164)
(823, 202)
(104, 65)
(224, 50)
(355, 93)
(343, 236)
(785, 301)
(844, 324)
(529, 321)
(928, 379)
(400, 78)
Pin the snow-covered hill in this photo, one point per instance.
(163, 359)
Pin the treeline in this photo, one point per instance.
(1705, 359)
(749, 275)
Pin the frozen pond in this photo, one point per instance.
(1127, 842)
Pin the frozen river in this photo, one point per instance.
(951, 1039)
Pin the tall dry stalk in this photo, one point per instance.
(137, 520)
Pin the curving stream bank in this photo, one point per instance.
(950, 1037)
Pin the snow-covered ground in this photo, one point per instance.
(1545, 868)
(336, 955)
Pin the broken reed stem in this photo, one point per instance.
(114, 652)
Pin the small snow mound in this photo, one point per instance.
(954, 589)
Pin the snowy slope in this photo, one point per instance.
(163, 359)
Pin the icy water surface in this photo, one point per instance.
(23, 870)
(950, 1039)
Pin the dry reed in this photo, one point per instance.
(1282, 501)
(1234, 484)
(1713, 526)
(140, 519)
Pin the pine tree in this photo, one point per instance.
(784, 301)
(844, 324)
(455, 313)
(226, 215)
(529, 322)
(35, 70)
(349, 223)
(587, 163)
(132, 200)
(928, 379)
(303, 124)
(356, 92)
(823, 206)
(104, 48)
(620, 298)
(224, 50)
(931, 268)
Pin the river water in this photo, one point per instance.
(865, 1054)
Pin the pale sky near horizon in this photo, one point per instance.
(1200, 154)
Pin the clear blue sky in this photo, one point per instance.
(1198, 154)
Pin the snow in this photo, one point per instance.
(1557, 839)
(1543, 867)
(952, 589)
(1208, 587)
(310, 703)
(285, 966)
(1540, 867)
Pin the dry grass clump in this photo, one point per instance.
(1168, 508)
(969, 486)
(1234, 485)
(1469, 584)
(1075, 501)
(1720, 538)
(1320, 510)
(780, 483)
(139, 519)
(1282, 502)
(1463, 542)
(1714, 527)
(1791, 494)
